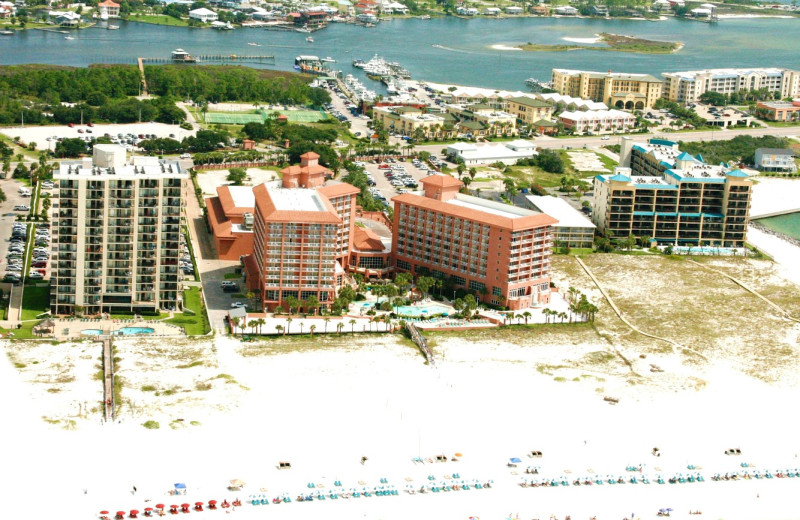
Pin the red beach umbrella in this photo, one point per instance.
(103, 512)
(148, 508)
(212, 502)
(134, 512)
(120, 514)
(184, 505)
(159, 506)
(198, 503)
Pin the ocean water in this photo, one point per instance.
(788, 224)
(446, 49)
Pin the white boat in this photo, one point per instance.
(7, 33)
(310, 39)
(113, 27)
(68, 38)
(254, 44)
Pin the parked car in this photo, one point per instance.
(22, 207)
(238, 305)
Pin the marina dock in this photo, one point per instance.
(217, 58)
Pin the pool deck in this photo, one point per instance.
(72, 328)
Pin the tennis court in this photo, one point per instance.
(241, 118)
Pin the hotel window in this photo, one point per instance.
(496, 291)
(402, 264)
(457, 280)
(476, 286)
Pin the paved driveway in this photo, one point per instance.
(382, 183)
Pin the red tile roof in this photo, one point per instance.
(441, 180)
(445, 208)
(364, 239)
(266, 207)
(337, 190)
(228, 206)
(108, 3)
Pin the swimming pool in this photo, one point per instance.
(127, 331)
(428, 310)
(703, 250)
(92, 332)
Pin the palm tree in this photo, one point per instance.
(339, 327)
(279, 328)
(235, 323)
(312, 329)
(288, 323)
(563, 316)
(526, 315)
(326, 320)
(352, 326)
(253, 326)
(301, 327)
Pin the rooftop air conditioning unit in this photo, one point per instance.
(248, 221)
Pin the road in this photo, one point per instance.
(597, 141)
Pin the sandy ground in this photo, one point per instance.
(211, 179)
(771, 195)
(39, 134)
(502, 47)
(596, 39)
(228, 411)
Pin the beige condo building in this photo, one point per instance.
(615, 89)
(688, 86)
(116, 234)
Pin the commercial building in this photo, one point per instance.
(573, 229)
(408, 120)
(507, 153)
(775, 160)
(116, 234)
(231, 217)
(779, 110)
(302, 235)
(617, 90)
(572, 103)
(481, 120)
(672, 197)
(597, 121)
(499, 252)
(688, 86)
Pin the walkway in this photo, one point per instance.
(783, 312)
(625, 320)
(108, 379)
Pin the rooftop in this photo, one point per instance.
(296, 199)
(691, 74)
(242, 196)
(489, 206)
(560, 210)
(158, 169)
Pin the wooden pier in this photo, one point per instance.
(223, 58)
(108, 380)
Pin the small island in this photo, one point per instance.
(613, 42)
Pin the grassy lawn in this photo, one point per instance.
(191, 253)
(35, 301)
(24, 332)
(130, 317)
(159, 19)
(783, 124)
(194, 324)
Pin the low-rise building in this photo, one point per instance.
(231, 217)
(775, 160)
(203, 15)
(491, 121)
(615, 89)
(108, 9)
(514, 9)
(408, 120)
(565, 10)
(529, 110)
(573, 229)
(571, 103)
(597, 121)
(779, 110)
(688, 86)
(500, 253)
(671, 197)
(506, 153)
(492, 11)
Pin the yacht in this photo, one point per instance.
(310, 39)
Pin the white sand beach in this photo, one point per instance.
(503, 47)
(596, 39)
(323, 410)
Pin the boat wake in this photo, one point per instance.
(451, 49)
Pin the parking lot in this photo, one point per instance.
(41, 134)
(383, 183)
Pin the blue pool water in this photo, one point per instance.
(703, 250)
(408, 310)
(127, 331)
(92, 332)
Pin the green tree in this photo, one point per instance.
(237, 176)
(403, 281)
(424, 284)
(311, 304)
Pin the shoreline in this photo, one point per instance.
(613, 43)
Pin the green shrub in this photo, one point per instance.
(151, 425)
